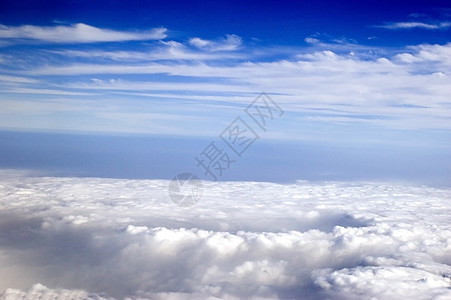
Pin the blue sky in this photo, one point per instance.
(363, 77)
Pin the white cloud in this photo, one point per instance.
(39, 291)
(311, 40)
(169, 50)
(355, 282)
(230, 43)
(412, 25)
(103, 238)
(407, 89)
(77, 33)
(385, 87)
(16, 79)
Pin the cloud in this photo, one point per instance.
(350, 283)
(39, 291)
(396, 89)
(166, 50)
(311, 40)
(77, 33)
(16, 79)
(413, 25)
(230, 43)
(319, 79)
(427, 54)
(103, 238)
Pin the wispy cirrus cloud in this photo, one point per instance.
(230, 43)
(338, 82)
(77, 33)
(406, 86)
(164, 50)
(415, 25)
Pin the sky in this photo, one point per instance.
(139, 89)
(320, 132)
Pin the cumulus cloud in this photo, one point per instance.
(39, 291)
(355, 283)
(77, 33)
(427, 54)
(98, 238)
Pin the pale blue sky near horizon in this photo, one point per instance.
(138, 89)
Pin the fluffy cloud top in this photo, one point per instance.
(39, 291)
(101, 238)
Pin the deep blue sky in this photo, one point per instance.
(365, 83)
(277, 22)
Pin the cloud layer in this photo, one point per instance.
(101, 238)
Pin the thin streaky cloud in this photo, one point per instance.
(230, 43)
(169, 50)
(225, 71)
(413, 25)
(319, 78)
(45, 92)
(16, 79)
(77, 33)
